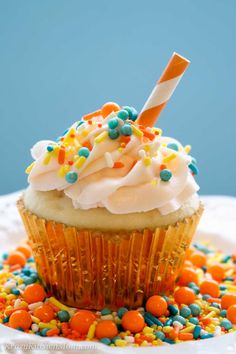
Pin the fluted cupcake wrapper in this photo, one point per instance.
(93, 269)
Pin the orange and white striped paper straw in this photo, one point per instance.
(163, 90)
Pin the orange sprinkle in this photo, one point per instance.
(118, 164)
(61, 156)
(91, 115)
(99, 125)
(72, 135)
(174, 333)
(162, 167)
(205, 321)
(125, 139)
(122, 145)
(148, 135)
(88, 145)
(214, 299)
(185, 336)
(53, 332)
(15, 267)
(90, 122)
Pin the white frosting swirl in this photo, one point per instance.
(135, 187)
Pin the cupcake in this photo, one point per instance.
(110, 210)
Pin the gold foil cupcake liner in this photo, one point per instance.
(93, 269)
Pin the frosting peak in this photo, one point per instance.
(107, 160)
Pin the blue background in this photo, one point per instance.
(62, 59)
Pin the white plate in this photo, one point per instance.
(217, 225)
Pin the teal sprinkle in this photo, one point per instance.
(180, 319)
(159, 335)
(133, 114)
(15, 291)
(194, 320)
(223, 313)
(197, 332)
(113, 134)
(225, 259)
(185, 312)
(121, 311)
(195, 309)
(228, 279)
(84, 152)
(201, 248)
(113, 123)
(173, 146)
(123, 114)
(173, 310)
(126, 130)
(105, 341)
(106, 311)
(44, 331)
(50, 148)
(226, 324)
(71, 177)
(63, 316)
(206, 336)
(193, 168)
(165, 175)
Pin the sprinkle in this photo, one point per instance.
(84, 151)
(91, 331)
(169, 158)
(147, 161)
(50, 148)
(113, 123)
(47, 158)
(187, 149)
(118, 164)
(61, 156)
(126, 130)
(154, 181)
(101, 137)
(63, 170)
(113, 134)
(173, 146)
(142, 154)
(29, 168)
(137, 132)
(58, 304)
(123, 114)
(80, 161)
(165, 175)
(71, 177)
(92, 115)
(133, 114)
(84, 133)
(125, 139)
(109, 160)
(193, 168)
(149, 135)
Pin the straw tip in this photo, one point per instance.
(177, 55)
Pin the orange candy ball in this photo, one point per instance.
(34, 293)
(45, 313)
(20, 318)
(108, 108)
(210, 287)
(184, 295)
(156, 305)
(198, 259)
(133, 321)
(231, 314)
(16, 257)
(106, 329)
(217, 271)
(188, 275)
(25, 249)
(82, 320)
(228, 300)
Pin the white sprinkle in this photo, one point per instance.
(107, 317)
(34, 327)
(129, 339)
(142, 154)
(117, 320)
(35, 305)
(178, 324)
(217, 331)
(21, 286)
(109, 160)
(17, 303)
(10, 284)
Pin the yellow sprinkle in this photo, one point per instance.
(154, 181)
(29, 168)
(137, 335)
(47, 158)
(84, 133)
(3, 295)
(79, 163)
(187, 149)
(35, 319)
(144, 344)
(55, 150)
(53, 322)
(11, 297)
(216, 310)
(169, 158)
(167, 329)
(68, 137)
(210, 314)
(101, 137)
(147, 330)
(147, 148)
(120, 343)
(157, 342)
(120, 150)
(46, 325)
(137, 132)
(58, 304)
(63, 170)
(147, 161)
(1, 321)
(91, 331)
(188, 329)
